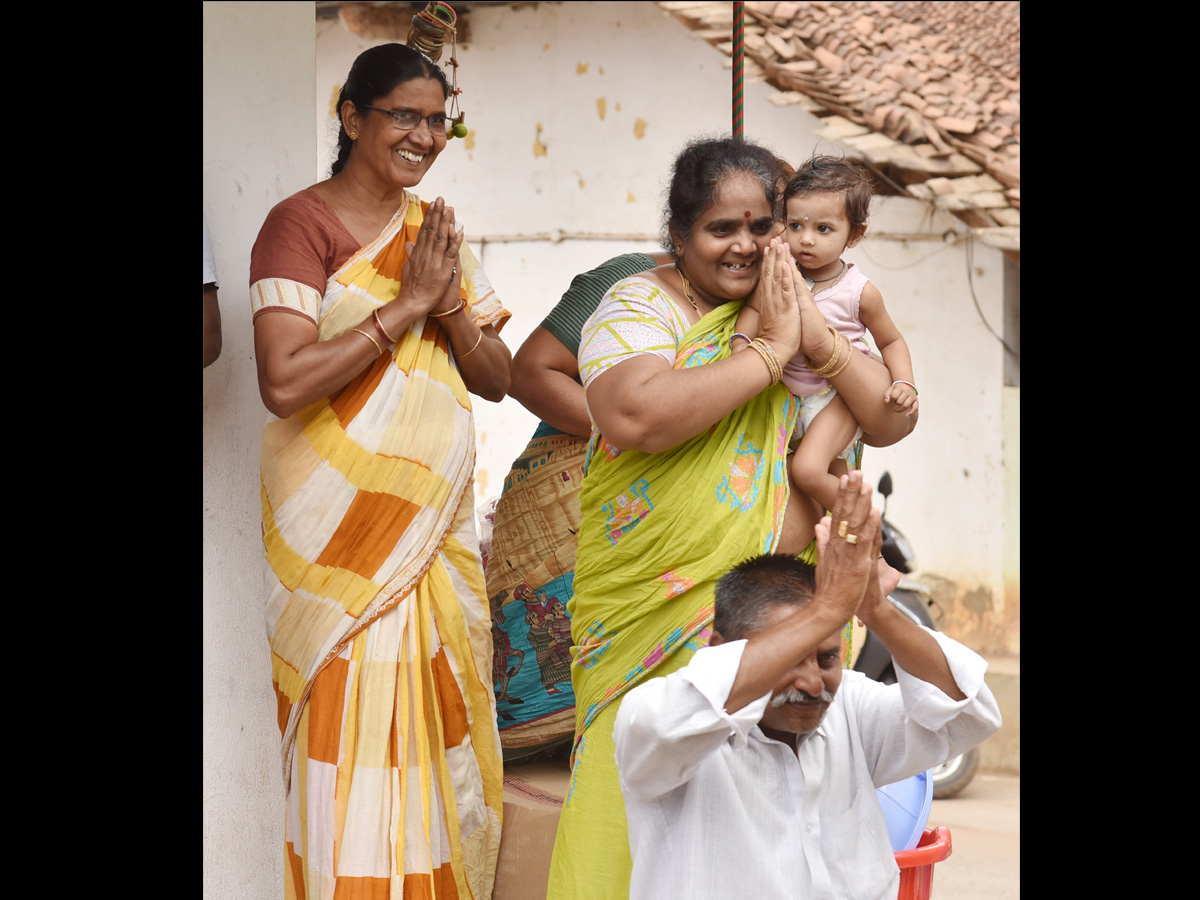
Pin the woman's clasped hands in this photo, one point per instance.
(776, 300)
(430, 278)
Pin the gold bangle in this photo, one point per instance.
(774, 359)
(379, 325)
(838, 371)
(767, 352)
(378, 348)
(776, 365)
(766, 362)
(462, 356)
(461, 304)
(837, 352)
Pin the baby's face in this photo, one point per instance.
(818, 231)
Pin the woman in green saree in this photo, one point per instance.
(686, 472)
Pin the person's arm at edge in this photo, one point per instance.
(545, 377)
(544, 373)
(212, 325)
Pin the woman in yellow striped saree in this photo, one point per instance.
(372, 323)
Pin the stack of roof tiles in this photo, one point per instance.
(929, 93)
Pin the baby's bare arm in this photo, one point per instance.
(902, 395)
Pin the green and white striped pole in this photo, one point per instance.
(739, 54)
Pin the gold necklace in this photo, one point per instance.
(687, 290)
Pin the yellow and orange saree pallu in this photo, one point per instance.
(378, 618)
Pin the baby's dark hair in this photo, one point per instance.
(834, 174)
(747, 591)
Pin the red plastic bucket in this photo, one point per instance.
(916, 865)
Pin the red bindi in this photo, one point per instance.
(747, 215)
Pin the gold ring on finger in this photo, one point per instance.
(842, 525)
(852, 539)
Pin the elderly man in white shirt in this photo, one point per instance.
(752, 771)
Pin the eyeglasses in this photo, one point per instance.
(410, 119)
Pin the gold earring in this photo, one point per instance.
(354, 135)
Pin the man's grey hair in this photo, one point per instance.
(752, 587)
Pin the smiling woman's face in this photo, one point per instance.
(396, 157)
(721, 256)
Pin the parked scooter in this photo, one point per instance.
(913, 599)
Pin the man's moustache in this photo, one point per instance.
(792, 695)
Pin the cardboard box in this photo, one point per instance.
(533, 796)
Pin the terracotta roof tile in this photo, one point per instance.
(932, 89)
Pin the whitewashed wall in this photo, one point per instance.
(532, 74)
(257, 148)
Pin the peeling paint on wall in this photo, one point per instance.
(629, 198)
(469, 140)
(580, 68)
(539, 149)
(333, 110)
(969, 613)
(376, 22)
(601, 106)
(639, 129)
